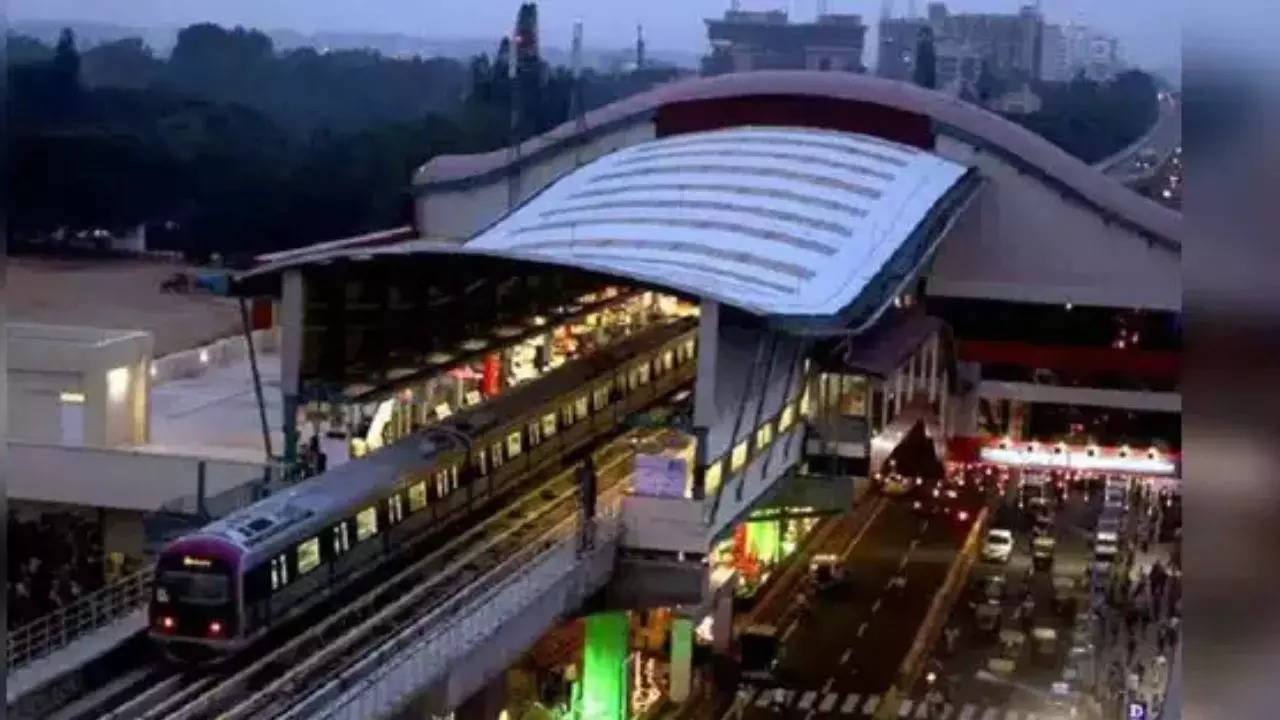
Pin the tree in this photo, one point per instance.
(123, 63)
(66, 59)
(989, 86)
(926, 70)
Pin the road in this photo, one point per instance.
(1163, 137)
(1027, 690)
(840, 656)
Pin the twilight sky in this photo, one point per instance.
(1149, 30)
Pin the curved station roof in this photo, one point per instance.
(772, 220)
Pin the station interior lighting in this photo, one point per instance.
(204, 356)
(117, 383)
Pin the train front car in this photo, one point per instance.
(196, 614)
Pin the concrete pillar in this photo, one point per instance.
(705, 413)
(933, 368)
(722, 624)
(681, 659)
(292, 302)
(942, 408)
(897, 391)
(884, 406)
(912, 371)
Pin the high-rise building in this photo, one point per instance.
(755, 40)
(896, 54)
(1054, 55)
(1011, 46)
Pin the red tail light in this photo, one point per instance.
(962, 515)
(167, 622)
(215, 628)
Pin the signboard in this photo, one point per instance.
(1137, 711)
(660, 475)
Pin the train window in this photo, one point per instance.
(644, 373)
(366, 523)
(657, 367)
(805, 407)
(453, 477)
(581, 407)
(513, 444)
(442, 484)
(600, 398)
(566, 415)
(495, 451)
(549, 425)
(279, 572)
(417, 496)
(535, 434)
(739, 457)
(395, 508)
(309, 555)
(620, 384)
(669, 359)
(764, 435)
(341, 538)
(787, 417)
(481, 462)
(690, 348)
(711, 477)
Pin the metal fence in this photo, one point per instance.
(91, 612)
(402, 670)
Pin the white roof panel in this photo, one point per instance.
(777, 221)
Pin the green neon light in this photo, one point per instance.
(765, 540)
(604, 667)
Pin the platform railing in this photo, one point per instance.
(463, 622)
(95, 610)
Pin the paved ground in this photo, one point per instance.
(1028, 691)
(116, 294)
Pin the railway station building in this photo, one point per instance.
(868, 261)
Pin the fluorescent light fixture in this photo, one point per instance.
(1077, 460)
(117, 383)
(71, 396)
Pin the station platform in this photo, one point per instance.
(37, 675)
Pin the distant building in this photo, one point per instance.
(747, 40)
(1091, 52)
(958, 66)
(1055, 63)
(1011, 46)
(896, 55)
(1017, 102)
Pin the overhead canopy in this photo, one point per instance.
(787, 222)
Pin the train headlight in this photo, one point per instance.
(215, 628)
(962, 515)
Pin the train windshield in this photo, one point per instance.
(196, 588)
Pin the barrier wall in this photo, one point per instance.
(192, 363)
(120, 479)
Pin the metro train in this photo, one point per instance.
(220, 588)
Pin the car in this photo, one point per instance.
(1042, 552)
(895, 485)
(998, 545)
(1042, 523)
(826, 571)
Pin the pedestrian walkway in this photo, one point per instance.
(753, 701)
(1141, 626)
